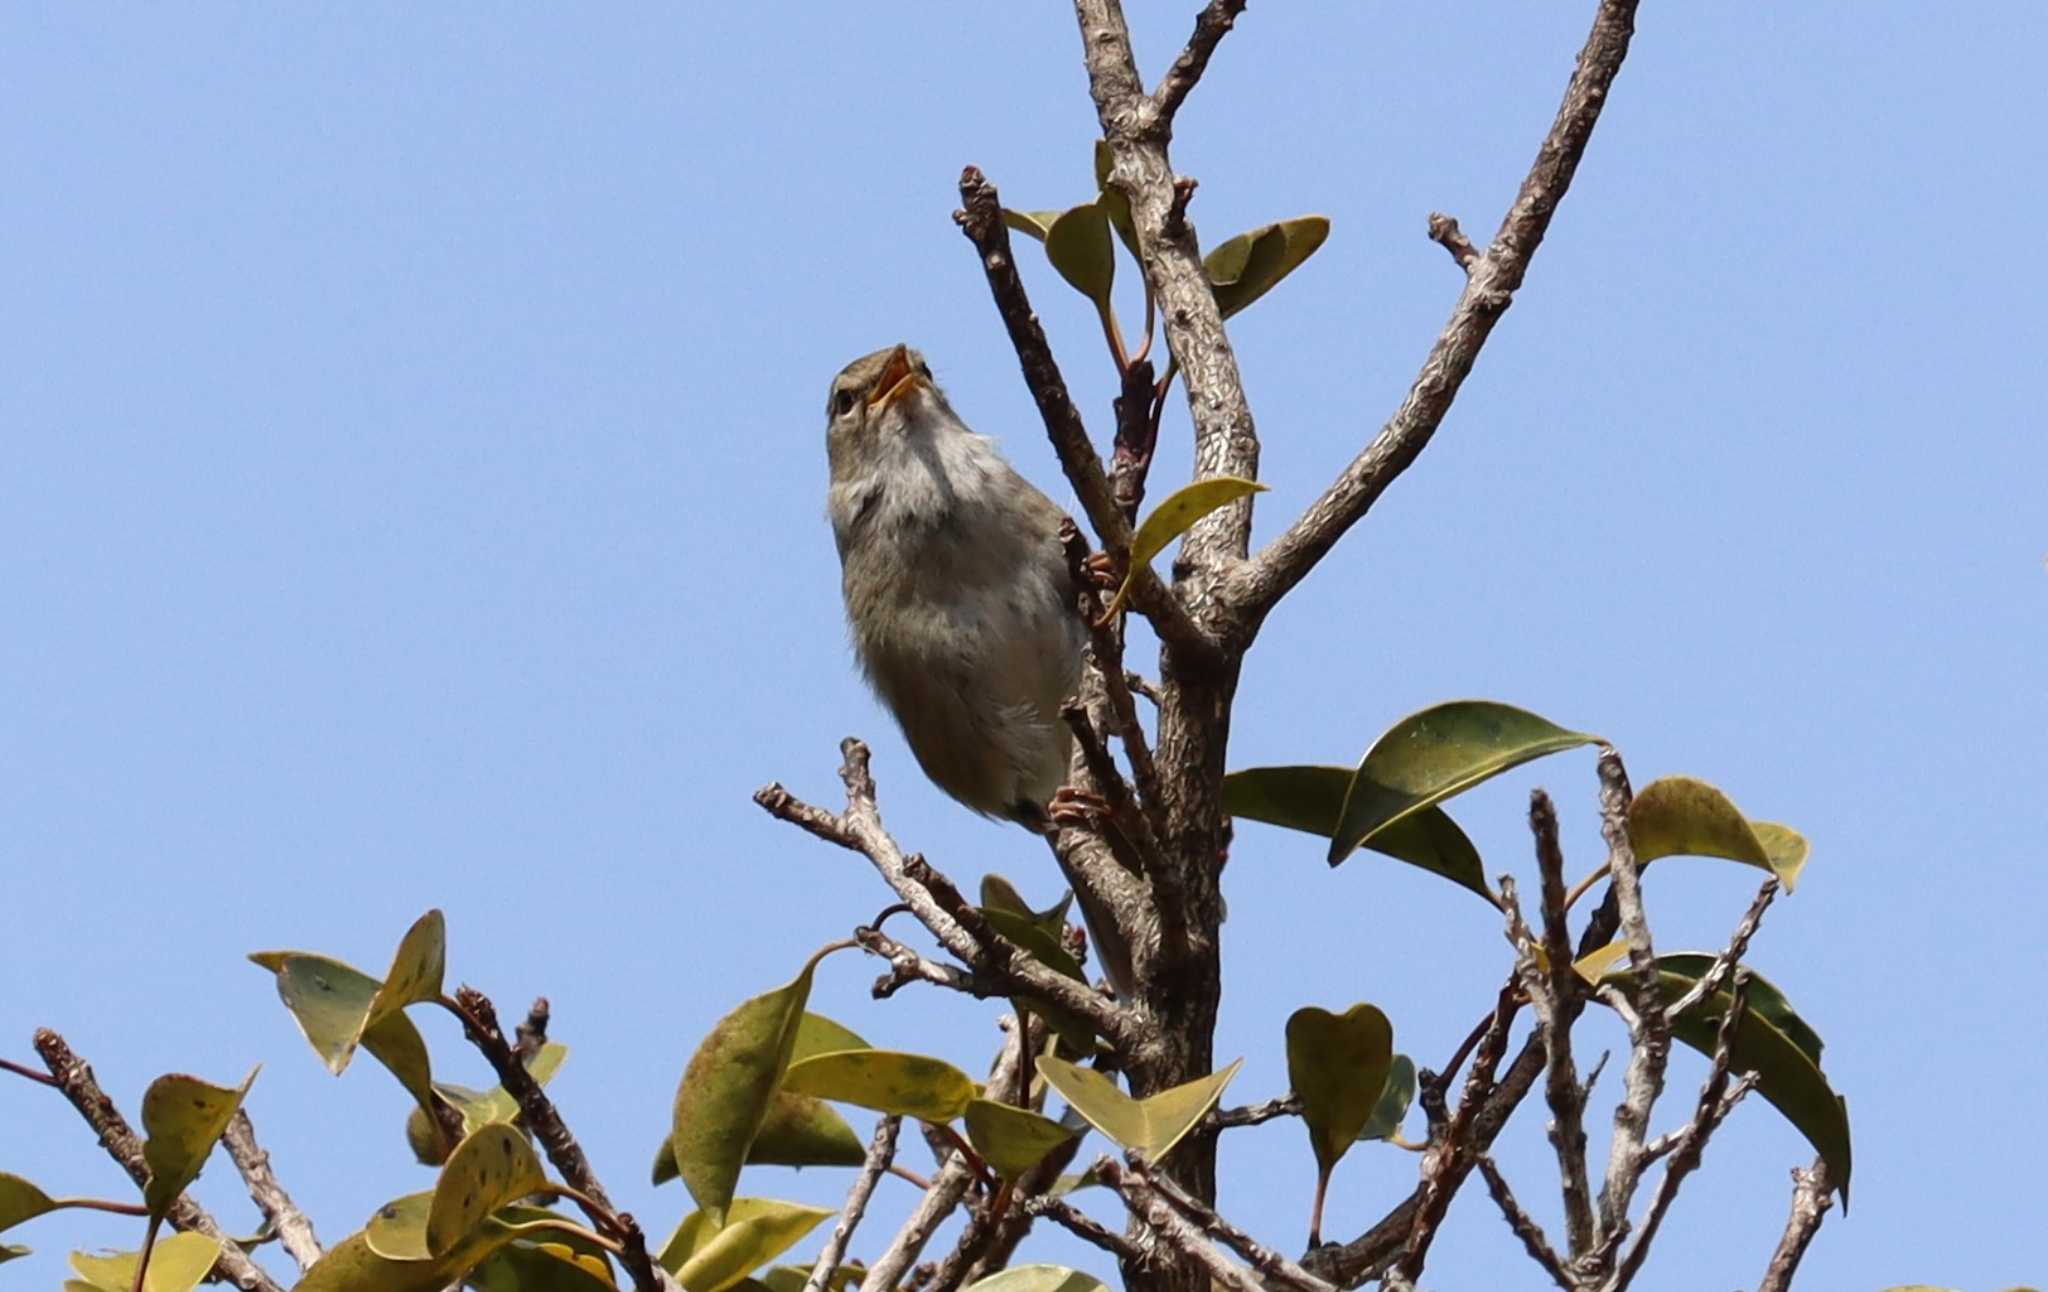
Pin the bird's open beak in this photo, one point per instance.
(897, 380)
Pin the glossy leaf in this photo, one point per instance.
(1788, 1074)
(1032, 937)
(390, 1253)
(1012, 1140)
(1684, 816)
(183, 1118)
(491, 1168)
(792, 1278)
(21, 1200)
(888, 1081)
(177, 1263)
(726, 1089)
(707, 1257)
(797, 1130)
(1392, 1108)
(1035, 224)
(998, 894)
(1430, 756)
(337, 1005)
(1151, 1126)
(543, 1267)
(416, 968)
(1338, 1064)
(479, 1108)
(1038, 1278)
(1765, 1000)
(1251, 264)
(1174, 516)
(1311, 799)
(1078, 245)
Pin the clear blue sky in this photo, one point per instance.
(412, 496)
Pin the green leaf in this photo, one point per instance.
(792, 1278)
(1788, 1072)
(1338, 1064)
(797, 1130)
(1392, 1109)
(490, 1169)
(20, 1200)
(726, 1089)
(1765, 1000)
(888, 1081)
(1079, 247)
(176, 1264)
(398, 1232)
(998, 894)
(1683, 816)
(1174, 516)
(1151, 1126)
(543, 1267)
(337, 1005)
(1251, 264)
(1031, 936)
(183, 1118)
(479, 1108)
(709, 1257)
(1430, 756)
(1033, 224)
(1038, 1278)
(1012, 1140)
(390, 1253)
(1311, 799)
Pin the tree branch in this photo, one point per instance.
(1491, 282)
(1812, 1195)
(1549, 991)
(1649, 1032)
(1265, 1260)
(74, 1077)
(480, 1024)
(294, 1230)
(1525, 1228)
(932, 898)
(1175, 1231)
(1211, 25)
(881, 1151)
(981, 219)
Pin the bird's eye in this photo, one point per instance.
(924, 370)
(842, 403)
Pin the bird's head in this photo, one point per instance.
(882, 397)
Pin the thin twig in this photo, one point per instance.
(1084, 1227)
(943, 1196)
(1211, 25)
(1561, 1088)
(1649, 1031)
(40, 1078)
(1716, 978)
(1690, 1143)
(1265, 1260)
(1490, 286)
(934, 900)
(1174, 1230)
(1444, 231)
(294, 1230)
(1525, 1228)
(1812, 1194)
(74, 1077)
(1254, 1114)
(480, 1024)
(881, 1152)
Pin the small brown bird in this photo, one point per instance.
(957, 592)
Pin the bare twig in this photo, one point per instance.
(1716, 978)
(74, 1077)
(1084, 1227)
(933, 899)
(294, 1230)
(943, 1196)
(1444, 231)
(40, 1078)
(1275, 1267)
(981, 218)
(1525, 1228)
(1254, 1114)
(1490, 285)
(1174, 1230)
(1211, 25)
(1689, 1143)
(881, 1151)
(480, 1024)
(1561, 1088)
(1812, 1194)
(1649, 1031)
